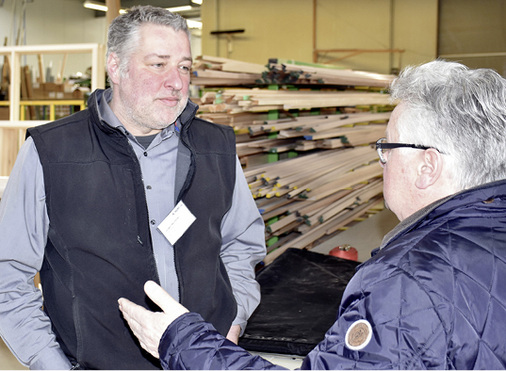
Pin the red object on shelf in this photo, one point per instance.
(345, 252)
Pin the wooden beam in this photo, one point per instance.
(315, 53)
(113, 7)
(42, 74)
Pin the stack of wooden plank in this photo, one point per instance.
(332, 176)
(215, 71)
(260, 100)
(280, 71)
(325, 131)
(313, 196)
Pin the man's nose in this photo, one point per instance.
(173, 79)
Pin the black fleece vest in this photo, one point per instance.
(99, 244)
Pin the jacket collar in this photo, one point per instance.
(480, 193)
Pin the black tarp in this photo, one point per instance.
(301, 292)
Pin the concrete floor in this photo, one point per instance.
(363, 236)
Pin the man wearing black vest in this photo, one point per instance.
(133, 188)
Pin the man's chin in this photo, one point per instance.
(385, 203)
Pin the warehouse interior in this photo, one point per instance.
(58, 47)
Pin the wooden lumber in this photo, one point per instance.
(325, 186)
(350, 135)
(220, 78)
(317, 75)
(305, 240)
(285, 173)
(348, 119)
(6, 72)
(59, 76)
(239, 121)
(330, 117)
(261, 100)
(279, 72)
(225, 64)
(354, 136)
(312, 99)
(280, 209)
(325, 214)
(42, 74)
(27, 91)
(311, 208)
(278, 181)
(113, 8)
(283, 222)
(365, 172)
(347, 218)
(308, 185)
(346, 191)
(216, 71)
(284, 229)
(315, 123)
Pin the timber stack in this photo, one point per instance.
(305, 136)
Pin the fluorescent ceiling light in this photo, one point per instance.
(95, 6)
(197, 2)
(194, 24)
(180, 8)
(101, 7)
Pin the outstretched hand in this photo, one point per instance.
(149, 326)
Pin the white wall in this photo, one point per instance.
(52, 22)
(284, 29)
(57, 22)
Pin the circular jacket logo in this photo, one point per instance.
(358, 335)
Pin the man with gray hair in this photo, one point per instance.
(133, 188)
(432, 296)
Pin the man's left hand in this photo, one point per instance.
(233, 334)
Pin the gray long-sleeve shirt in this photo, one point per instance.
(23, 232)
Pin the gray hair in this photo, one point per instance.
(459, 111)
(123, 34)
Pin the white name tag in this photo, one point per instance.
(176, 223)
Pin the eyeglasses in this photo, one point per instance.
(382, 145)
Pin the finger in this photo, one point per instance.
(170, 307)
(134, 314)
(159, 296)
(128, 308)
(138, 319)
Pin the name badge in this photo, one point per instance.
(176, 223)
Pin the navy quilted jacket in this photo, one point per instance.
(433, 297)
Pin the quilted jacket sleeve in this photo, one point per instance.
(406, 323)
(189, 343)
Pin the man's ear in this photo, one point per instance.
(113, 69)
(429, 169)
